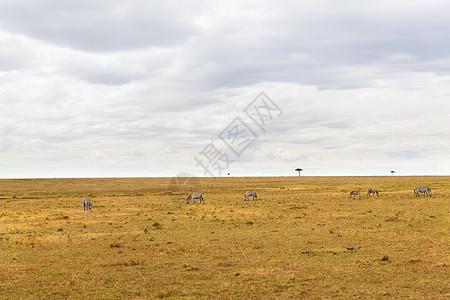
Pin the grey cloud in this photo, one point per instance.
(100, 26)
(316, 43)
(326, 44)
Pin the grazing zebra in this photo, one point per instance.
(423, 189)
(373, 191)
(195, 196)
(87, 204)
(355, 193)
(250, 193)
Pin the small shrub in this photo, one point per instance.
(163, 295)
(385, 258)
(156, 225)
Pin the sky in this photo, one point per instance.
(136, 88)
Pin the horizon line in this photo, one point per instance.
(204, 177)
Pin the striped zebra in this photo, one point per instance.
(87, 204)
(373, 191)
(249, 194)
(195, 196)
(355, 193)
(423, 189)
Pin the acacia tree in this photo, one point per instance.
(299, 170)
(392, 172)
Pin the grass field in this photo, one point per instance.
(302, 238)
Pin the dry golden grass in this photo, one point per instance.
(302, 238)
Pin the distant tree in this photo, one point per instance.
(392, 172)
(299, 171)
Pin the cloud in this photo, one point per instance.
(101, 26)
(319, 43)
(115, 86)
(405, 155)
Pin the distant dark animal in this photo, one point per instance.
(423, 189)
(373, 191)
(249, 194)
(195, 196)
(87, 204)
(355, 193)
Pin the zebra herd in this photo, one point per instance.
(370, 191)
(420, 189)
(199, 196)
(426, 191)
(88, 206)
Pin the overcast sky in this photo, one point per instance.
(149, 88)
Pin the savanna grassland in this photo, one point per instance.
(302, 238)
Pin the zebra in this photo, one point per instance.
(373, 191)
(250, 193)
(195, 196)
(87, 204)
(355, 193)
(423, 189)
